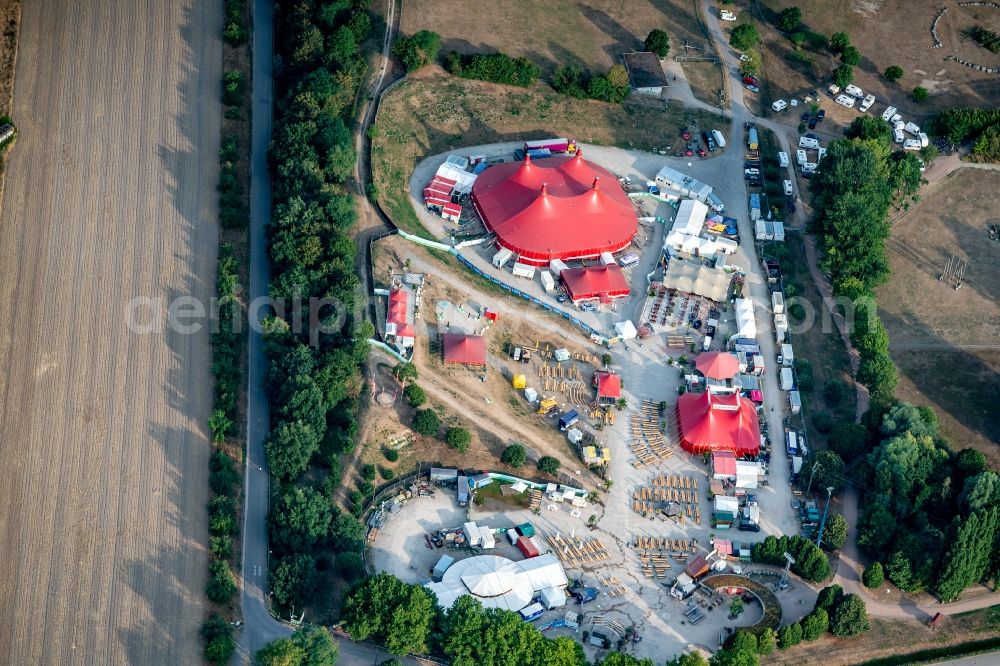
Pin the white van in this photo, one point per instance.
(888, 113)
(924, 141)
(788, 188)
(807, 142)
(845, 101)
(867, 103)
(780, 105)
(726, 15)
(897, 135)
(854, 91)
(800, 157)
(783, 159)
(720, 140)
(911, 144)
(912, 128)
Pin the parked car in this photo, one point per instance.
(779, 105)
(812, 123)
(752, 80)
(820, 115)
(753, 89)
(747, 526)
(685, 134)
(561, 298)
(805, 117)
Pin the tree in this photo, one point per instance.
(869, 128)
(458, 438)
(220, 425)
(414, 395)
(570, 80)
(744, 37)
(968, 558)
(221, 586)
(658, 42)
(687, 659)
(404, 371)
(612, 87)
(767, 641)
(851, 55)
(894, 73)
(839, 41)
(850, 617)
(293, 580)
(829, 470)
(416, 51)
(873, 576)
(829, 597)
(622, 659)
(920, 94)
(300, 518)
(790, 635)
(217, 635)
(319, 646)
(347, 534)
(878, 373)
(548, 465)
(740, 650)
(849, 440)
(835, 532)
(789, 19)
(514, 455)
(223, 475)
(383, 608)
(815, 624)
(736, 608)
(289, 448)
(834, 390)
(843, 75)
(282, 652)
(426, 422)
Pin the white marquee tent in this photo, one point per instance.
(498, 582)
(695, 278)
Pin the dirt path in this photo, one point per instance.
(110, 195)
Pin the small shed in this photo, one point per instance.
(472, 536)
(609, 386)
(442, 566)
(527, 547)
(451, 212)
(645, 72)
(697, 568)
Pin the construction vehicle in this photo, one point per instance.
(547, 405)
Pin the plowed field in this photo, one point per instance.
(110, 195)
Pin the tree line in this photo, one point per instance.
(980, 126)
(315, 354)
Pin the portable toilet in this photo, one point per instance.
(531, 395)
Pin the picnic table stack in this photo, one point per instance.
(615, 588)
(668, 488)
(579, 553)
(536, 500)
(655, 553)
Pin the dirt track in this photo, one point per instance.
(110, 195)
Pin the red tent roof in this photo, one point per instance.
(554, 208)
(604, 282)
(710, 422)
(609, 385)
(465, 349)
(717, 365)
(397, 313)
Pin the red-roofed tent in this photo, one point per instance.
(712, 422)
(554, 208)
(609, 385)
(396, 314)
(464, 349)
(723, 464)
(717, 365)
(589, 282)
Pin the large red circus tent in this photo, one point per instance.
(554, 208)
(718, 422)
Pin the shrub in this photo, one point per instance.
(612, 87)
(744, 37)
(217, 635)
(986, 38)
(843, 75)
(658, 42)
(920, 94)
(426, 422)
(570, 80)
(386, 473)
(232, 88)
(834, 392)
(835, 532)
(350, 565)
(873, 576)
(823, 422)
(494, 67)
(849, 617)
(294, 579)
(849, 440)
(839, 41)
(894, 73)
(221, 547)
(233, 29)
(392, 455)
(221, 587)
(514, 455)
(790, 635)
(815, 624)
(223, 475)
(458, 438)
(368, 472)
(549, 465)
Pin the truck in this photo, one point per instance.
(559, 145)
(754, 207)
(753, 143)
(568, 419)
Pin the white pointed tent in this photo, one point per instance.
(498, 582)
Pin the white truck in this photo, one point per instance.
(866, 103)
(845, 101)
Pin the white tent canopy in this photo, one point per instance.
(498, 582)
(745, 322)
(696, 278)
(690, 217)
(625, 330)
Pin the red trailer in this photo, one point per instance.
(526, 547)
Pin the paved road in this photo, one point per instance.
(260, 627)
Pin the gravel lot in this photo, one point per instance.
(110, 195)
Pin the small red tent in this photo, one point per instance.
(464, 349)
(525, 545)
(609, 385)
(717, 365)
(603, 282)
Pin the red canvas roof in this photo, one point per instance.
(724, 463)
(609, 385)
(711, 422)
(554, 208)
(717, 365)
(527, 548)
(465, 349)
(604, 282)
(396, 313)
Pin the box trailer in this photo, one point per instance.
(502, 256)
(532, 612)
(568, 419)
(792, 443)
(778, 302)
(753, 143)
(523, 270)
(754, 207)
(559, 145)
(548, 282)
(787, 355)
(787, 379)
(486, 538)
(782, 159)
(795, 401)
(527, 547)
(472, 536)
(780, 326)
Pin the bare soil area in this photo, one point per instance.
(945, 342)
(890, 32)
(110, 196)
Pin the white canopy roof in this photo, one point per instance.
(726, 503)
(625, 330)
(690, 217)
(498, 582)
(745, 322)
(696, 278)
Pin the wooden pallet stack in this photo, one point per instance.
(536, 500)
